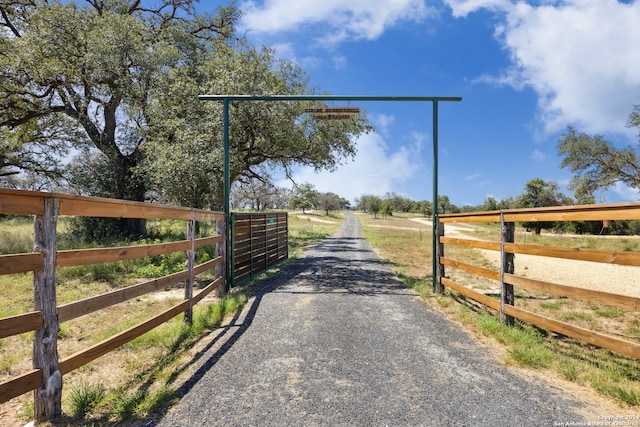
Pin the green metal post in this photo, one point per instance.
(435, 194)
(227, 210)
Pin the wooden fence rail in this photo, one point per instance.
(45, 379)
(507, 279)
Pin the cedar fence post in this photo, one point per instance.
(507, 296)
(439, 253)
(191, 260)
(48, 397)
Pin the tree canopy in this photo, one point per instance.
(539, 193)
(303, 196)
(596, 163)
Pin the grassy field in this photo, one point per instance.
(140, 378)
(612, 375)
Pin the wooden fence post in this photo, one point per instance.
(221, 251)
(507, 296)
(191, 261)
(48, 397)
(439, 253)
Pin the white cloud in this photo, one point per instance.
(353, 19)
(287, 51)
(462, 8)
(580, 57)
(382, 122)
(373, 171)
(538, 155)
(627, 194)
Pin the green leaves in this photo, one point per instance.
(596, 163)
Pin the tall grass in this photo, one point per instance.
(16, 235)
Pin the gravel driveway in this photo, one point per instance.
(335, 340)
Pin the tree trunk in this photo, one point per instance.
(130, 187)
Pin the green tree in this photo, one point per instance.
(188, 151)
(344, 203)
(387, 207)
(303, 197)
(258, 194)
(539, 193)
(445, 206)
(490, 204)
(88, 73)
(328, 202)
(426, 208)
(374, 205)
(596, 163)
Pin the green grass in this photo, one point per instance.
(551, 305)
(16, 235)
(84, 397)
(310, 229)
(608, 311)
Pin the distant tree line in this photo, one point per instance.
(537, 193)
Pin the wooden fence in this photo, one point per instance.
(45, 379)
(259, 241)
(505, 276)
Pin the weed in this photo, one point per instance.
(576, 315)
(629, 395)
(125, 404)
(156, 402)
(84, 397)
(64, 331)
(552, 305)
(570, 370)
(532, 356)
(609, 312)
(16, 235)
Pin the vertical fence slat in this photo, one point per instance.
(48, 397)
(507, 295)
(191, 261)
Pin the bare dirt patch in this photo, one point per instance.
(617, 279)
(314, 219)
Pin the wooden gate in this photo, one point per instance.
(259, 241)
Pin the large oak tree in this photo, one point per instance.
(596, 163)
(86, 73)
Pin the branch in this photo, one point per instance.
(7, 22)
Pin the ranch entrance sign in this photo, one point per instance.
(325, 115)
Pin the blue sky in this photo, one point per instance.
(525, 70)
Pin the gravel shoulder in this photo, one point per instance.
(335, 339)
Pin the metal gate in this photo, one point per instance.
(258, 241)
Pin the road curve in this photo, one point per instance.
(335, 340)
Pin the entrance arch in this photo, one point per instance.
(328, 98)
